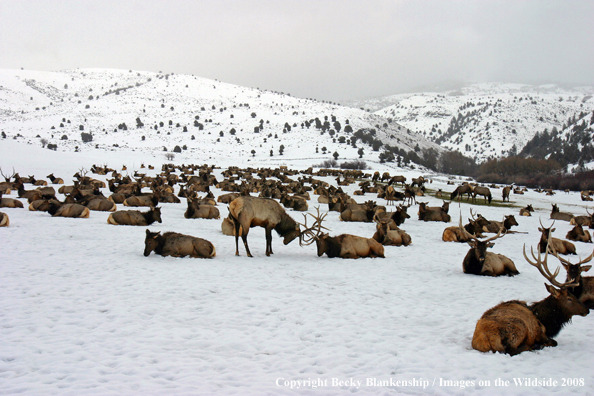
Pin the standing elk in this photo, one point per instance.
(135, 217)
(343, 246)
(484, 191)
(556, 215)
(390, 237)
(177, 245)
(578, 234)
(559, 245)
(461, 190)
(4, 220)
(513, 327)
(527, 210)
(480, 262)
(68, 210)
(196, 210)
(506, 190)
(247, 212)
(584, 290)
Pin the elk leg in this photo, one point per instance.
(268, 241)
(247, 248)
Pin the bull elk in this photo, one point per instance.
(478, 261)
(584, 290)
(343, 246)
(513, 327)
(177, 245)
(247, 212)
(559, 245)
(583, 220)
(135, 217)
(4, 220)
(68, 210)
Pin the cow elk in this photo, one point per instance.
(478, 261)
(55, 180)
(559, 245)
(196, 210)
(433, 213)
(527, 211)
(177, 245)
(587, 221)
(135, 217)
(68, 210)
(247, 212)
(390, 237)
(578, 234)
(494, 226)
(513, 327)
(557, 215)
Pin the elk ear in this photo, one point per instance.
(551, 289)
(490, 245)
(586, 268)
(539, 229)
(553, 230)
(148, 232)
(565, 266)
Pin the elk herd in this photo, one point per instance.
(266, 198)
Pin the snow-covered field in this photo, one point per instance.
(84, 312)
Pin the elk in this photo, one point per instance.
(358, 212)
(560, 246)
(55, 180)
(68, 210)
(102, 205)
(584, 220)
(480, 262)
(398, 179)
(432, 214)
(513, 327)
(42, 205)
(506, 190)
(484, 191)
(142, 200)
(227, 198)
(390, 237)
(494, 226)
(461, 190)
(556, 215)
(584, 290)
(247, 212)
(526, 211)
(474, 227)
(578, 234)
(394, 219)
(196, 210)
(135, 217)
(10, 202)
(177, 245)
(4, 220)
(293, 202)
(343, 246)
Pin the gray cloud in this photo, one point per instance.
(324, 49)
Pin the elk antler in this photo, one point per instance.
(543, 268)
(565, 261)
(307, 236)
(7, 178)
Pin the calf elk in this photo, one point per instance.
(177, 245)
(513, 327)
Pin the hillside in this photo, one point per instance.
(206, 119)
(484, 120)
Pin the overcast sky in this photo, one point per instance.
(323, 49)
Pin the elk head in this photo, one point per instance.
(480, 247)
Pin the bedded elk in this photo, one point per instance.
(584, 290)
(513, 327)
(358, 212)
(135, 217)
(495, 226)
(68, 210)
(55, 180)
(142, 200)
(474, 228)
(10, 202)
(556, 215)
(587, 221)
(343, 246)
(177, 245)
(42, 205)
(390, 237)
(432, 214)
(559, 245)
(394, 219)
(578, 234)
(478, 261)
(247, 212)
(527, 210)
(197, 210)
(294, 202)
(4, 220)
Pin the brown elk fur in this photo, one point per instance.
(390, 237)
(348, 246)
(102, 205)
(141, 200)
(578, 234)
(135, 217)
(4, 221)
(177, 245)
(559, 245)
(557, 215)
(526, 211)
(68, 210)
(201, 211)
(10, 203)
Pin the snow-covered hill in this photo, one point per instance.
(484, 120)
(207, 119)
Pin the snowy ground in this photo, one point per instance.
(84, 312)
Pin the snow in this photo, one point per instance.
(85, 313)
